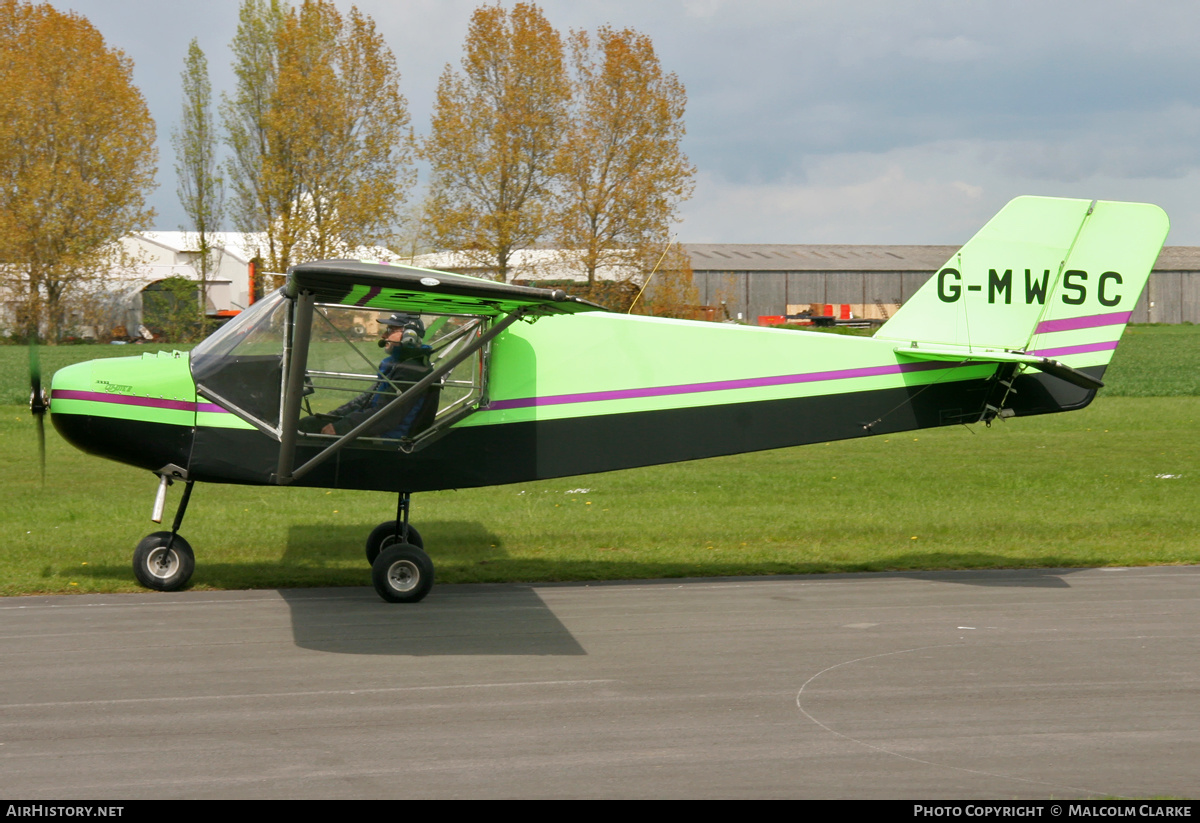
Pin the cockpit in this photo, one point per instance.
(349, 363)
(292, 364)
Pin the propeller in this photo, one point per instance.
(39, 403)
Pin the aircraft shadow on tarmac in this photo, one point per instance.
(491, 620)
(460, 620)
(513, 619)
(498, 619)
(1041, 578)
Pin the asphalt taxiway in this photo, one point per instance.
(996, 684)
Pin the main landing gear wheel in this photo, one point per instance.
(384, 535)
(156, 567)
(402, 573)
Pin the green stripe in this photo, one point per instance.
(357, 293)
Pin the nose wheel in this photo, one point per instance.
(163, 563)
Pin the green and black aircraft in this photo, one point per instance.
(522, 383)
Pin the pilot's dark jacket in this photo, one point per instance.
(403, 367)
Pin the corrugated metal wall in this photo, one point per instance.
(1170, 297)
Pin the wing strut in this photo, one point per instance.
(287, 442)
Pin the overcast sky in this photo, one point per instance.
(853, 121)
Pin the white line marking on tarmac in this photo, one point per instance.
(882, 750)
(316, 693)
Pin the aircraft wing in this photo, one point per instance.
(1045, 364)
(386, 287)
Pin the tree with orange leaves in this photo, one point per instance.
(622, 168)
(318, 129)
(77, 158)
(495, 133)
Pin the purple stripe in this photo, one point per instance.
(122, 399)
(1090, 322)
(720, 385)
(372, 293)
(1083, 349)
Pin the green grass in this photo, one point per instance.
(14, 363)
(1115, 484)
(1156, 361)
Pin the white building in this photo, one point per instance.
(525, 264)
(162, 254)
(154, 256)
(113, 298)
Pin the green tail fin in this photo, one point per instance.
(1046, 277)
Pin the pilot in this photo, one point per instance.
(407, 362)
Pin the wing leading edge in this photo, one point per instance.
(386, 287)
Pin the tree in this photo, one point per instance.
(495, 131)
(352, 149)
(319, 131)
(200, 187)
(76, 159)
(169, 309)
(622, 168)
(255, 64)
(669, 287)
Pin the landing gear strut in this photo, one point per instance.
(400, 569)
(164, 560)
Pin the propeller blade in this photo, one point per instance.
(41, 430)
(38, 402)
(35, 367)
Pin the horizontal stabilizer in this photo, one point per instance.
(1053, 367)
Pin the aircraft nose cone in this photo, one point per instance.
(137, 410)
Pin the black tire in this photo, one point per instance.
(402, 573)
(156, 568)
(384, 535)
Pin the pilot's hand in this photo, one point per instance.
(328, 429)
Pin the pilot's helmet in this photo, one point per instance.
(414, 329)
(404, 321)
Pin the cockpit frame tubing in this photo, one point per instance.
(297, 361)
(287, 442)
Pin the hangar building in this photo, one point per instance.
(757, 280)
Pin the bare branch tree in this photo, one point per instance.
(200, 186)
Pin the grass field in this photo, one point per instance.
(1155, 361)
(1114, 484)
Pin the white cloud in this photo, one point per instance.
(956, 49)
(844, 199)
(906, 121)
(939, 193)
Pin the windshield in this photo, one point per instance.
(241, 366)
